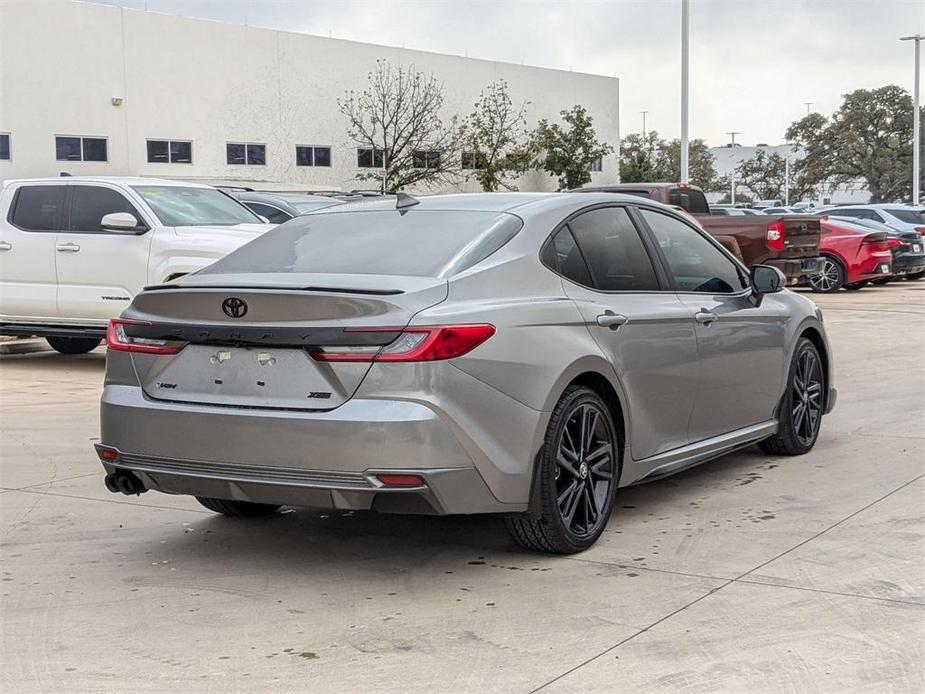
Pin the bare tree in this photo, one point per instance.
(397, 123)
(497, 144)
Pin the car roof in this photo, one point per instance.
(119, 180)
(488, 202)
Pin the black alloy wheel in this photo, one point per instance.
(578, 470)
(801, 408)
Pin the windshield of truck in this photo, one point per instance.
(181, 206)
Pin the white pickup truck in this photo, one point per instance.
(75, 250)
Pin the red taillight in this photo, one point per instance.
(118, 341)
(894, 243)
(776, 236)
(921, 230)
(401, 480)
(417, 343)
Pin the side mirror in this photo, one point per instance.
(119, 221)
(766, 279)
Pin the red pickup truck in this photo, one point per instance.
(789, 242)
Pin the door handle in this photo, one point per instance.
(68, 247)
(705, 317)
(6, 246)
(611, 320)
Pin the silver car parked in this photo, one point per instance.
(519, 354)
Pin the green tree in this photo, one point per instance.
(655, 160)
(764, 176)
(497, 141)
(568, 152)
(700, 162)
(640, 159)
(869, 137)
(398, 117)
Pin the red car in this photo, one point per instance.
(853, 256)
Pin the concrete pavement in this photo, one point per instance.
(749, 574)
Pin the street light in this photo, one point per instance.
(916, 133)
(807, 104)
(685, 54)
(732, 172)
(643, 125)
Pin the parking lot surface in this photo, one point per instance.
(752, 573)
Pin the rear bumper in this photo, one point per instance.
(907, 263)
(795, 268)
(320, 459)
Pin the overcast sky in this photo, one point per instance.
(753, 62)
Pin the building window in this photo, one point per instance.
(68, 148)
(170, 152)
(312, 156)
(425, 159)
(474, 160)
(369, 158)
(4, 146)
(596, 165)
(246, 153)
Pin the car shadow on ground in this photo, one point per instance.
(301, 536)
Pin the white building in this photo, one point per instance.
(93, 89)
(726, 159)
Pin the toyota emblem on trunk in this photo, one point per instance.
(234, 307)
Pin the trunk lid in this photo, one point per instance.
(250, 337)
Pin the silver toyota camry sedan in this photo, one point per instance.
(515, 354)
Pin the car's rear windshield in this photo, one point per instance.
(907, 216)
(423, 243)
(181, 206)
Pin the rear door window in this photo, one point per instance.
(695, 263)
(691, 200)
(273, 214)
(38, 208)
(89, 204)
(613, 250)
(561, 254)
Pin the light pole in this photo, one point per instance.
(685, 51)
(787, 180)
(643, 126)
(916, 130)
(732, 172)
(807, 104)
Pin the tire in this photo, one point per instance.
(854, 286)
(880, 281)
(73, 345)
(237, 509)
(797, 433)
(913, 276)
(577, 481)
(831, 279)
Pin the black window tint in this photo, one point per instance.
(67, 148)
(322, 156)
(4, 146)
(181, 152)
(89, 204)
(273, 214)
(38, 208)
(368, 158)
(910, 216)
(257, 155)
(94, 149)
(234, 153)
(562, 255)
(432, 243)
(691, 200)
(696, 264)
(158, 151)
(614, 251)
(304, 156)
